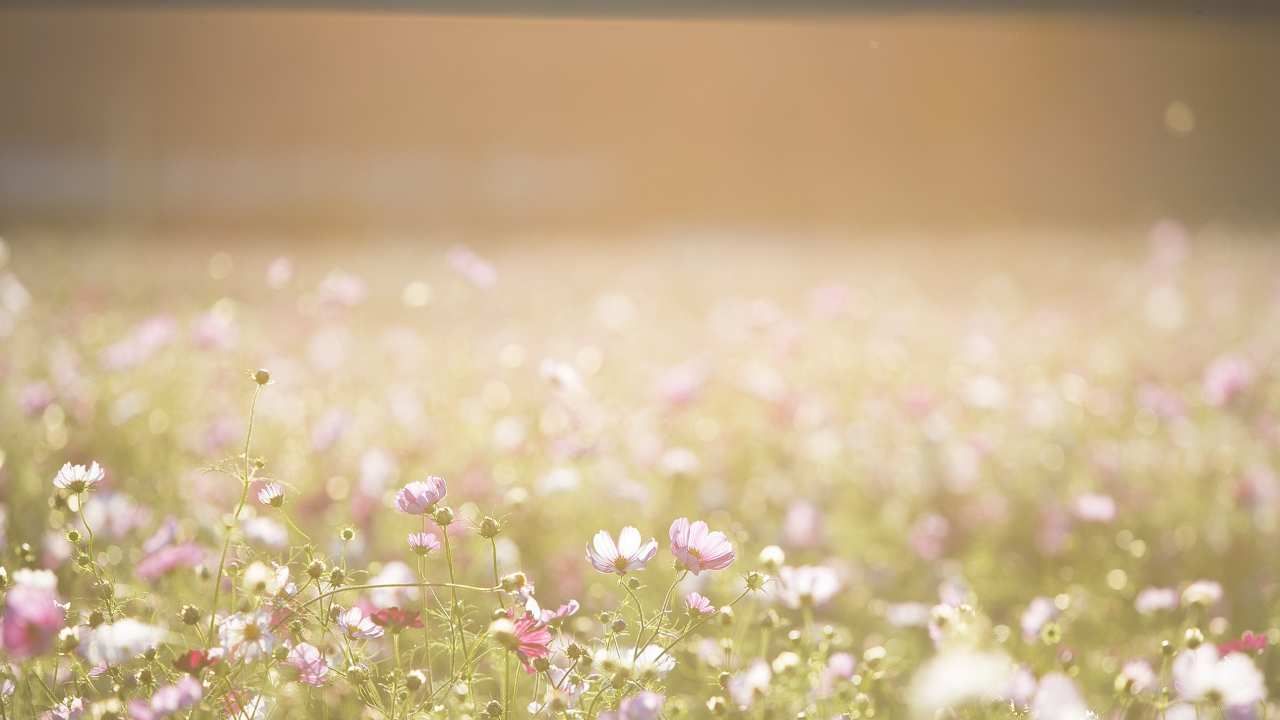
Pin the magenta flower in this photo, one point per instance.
(420, 497)
(532, 639)
(698, 605)
(422, 543)
(32, 617)
(699, 549)
(310, 664)
(628, 555)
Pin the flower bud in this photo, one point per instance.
(262, 377)
(190, 614)
(504, 633)
(1194, 638)
(443, 516)
(316, 569)
(772, 557)
(489, 528)
(414, 680)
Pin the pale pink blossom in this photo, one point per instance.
(422, 543)
(420, 497)
(699, 549)
(310, 664)
(698, 605)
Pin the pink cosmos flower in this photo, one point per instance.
(422, 543)
(32, 616)
(699, 549)
(698, 605)
(641, 706)
(78, 478)
(530, 638)
(310, 664)
(566, 610)
(807, 585)
(169, 558)
(1226, 378)
(628, 555)
(420, 497)
(168, 700)
(357, 625)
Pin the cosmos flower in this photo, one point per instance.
(116, 643)
(1154, 599)
(68, 709)
(651, 660)
(1057, 698)
(1233, 680)
(1138, 676)
(627, 555)
(168, 700)
(33, 615)
(396, 619)
(423, 543)
(193, 662)
(645, 705)
(697, 548)
(748, 685)
(1039, 611)
(247, 636)
(260, 578)
(78, 478)
(310, 664)
(271, 494)
(957, 677)
(807, 585)
(1203, 593)
(698, 605)
(420, 497)
(568, 609)
(358, 626)
(525, 635)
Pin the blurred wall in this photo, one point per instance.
(400, 122)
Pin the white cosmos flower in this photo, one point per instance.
(807, 585)
(629, 554)
(957, 677)
(78, 478)
(746, 686)
(119, 642)
(246, 636)
(1233, 680)
(259, 578)
(651, 660)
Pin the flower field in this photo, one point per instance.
(685, 477)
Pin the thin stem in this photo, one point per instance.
(245, 479)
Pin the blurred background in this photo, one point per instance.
(242, 121)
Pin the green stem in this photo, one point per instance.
(245, 480)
